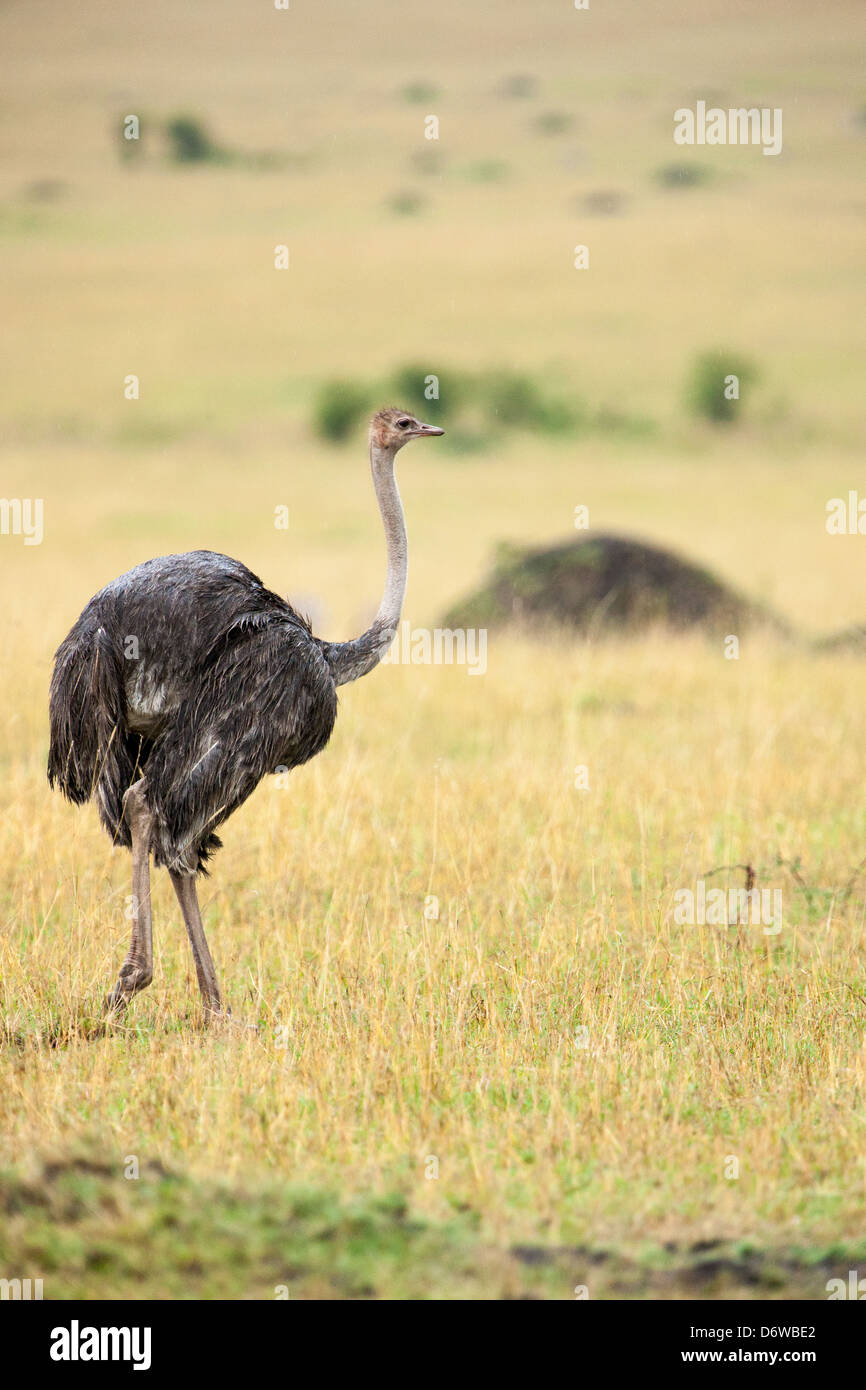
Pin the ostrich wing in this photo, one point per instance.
(263, 698)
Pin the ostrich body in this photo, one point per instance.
(185, 682)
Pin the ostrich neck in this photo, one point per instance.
(391, 508)
(350, 660)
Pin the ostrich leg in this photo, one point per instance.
(184, 887)
(137, 970)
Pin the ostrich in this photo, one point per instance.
(185, 682)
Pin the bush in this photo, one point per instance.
(512, 399)
(682, 175)
(520, 85)
(515, 400)
(709, 390)
(472, 405)
(553, 122)
(427, 162)
(420, 91)
(405, 202)
(487, 171)
(603, 202)
(339, 408)
(408, 386)
(190, 142)
(612, 420)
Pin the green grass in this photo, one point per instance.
(88, 1231)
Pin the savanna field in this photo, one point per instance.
(488, 1059)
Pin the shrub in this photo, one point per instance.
(472, 406)
(709, 388)
(515, 400)
(408, 386)
(427, 162)
(512, 399)
(487, 171)
(553, 122)
(405, 202)
(420, 91)
(520, 85)
(190, 142)
(603, 202)
(339, 407)
(682, 175)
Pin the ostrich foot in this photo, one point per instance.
(132, 978)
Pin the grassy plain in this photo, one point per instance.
(582, 1069)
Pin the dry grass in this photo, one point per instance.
(386, 1037)
(408, 1035)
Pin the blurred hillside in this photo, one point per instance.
(555, 129)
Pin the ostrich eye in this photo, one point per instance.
(403, 424)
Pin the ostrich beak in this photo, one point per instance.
(428, 429)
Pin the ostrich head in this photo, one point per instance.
(390, 429)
